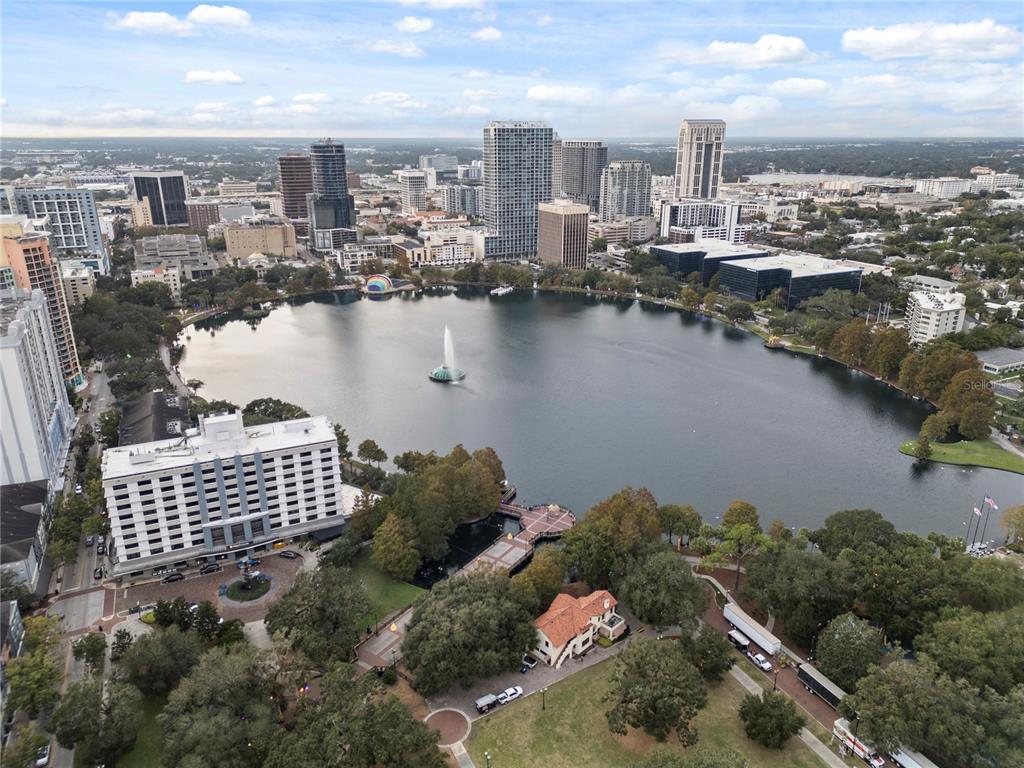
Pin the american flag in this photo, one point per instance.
(977, 512)
(991, 503)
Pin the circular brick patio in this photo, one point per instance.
(451, 724)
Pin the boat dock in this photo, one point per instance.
(544, 521)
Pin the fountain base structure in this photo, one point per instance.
(445, 375)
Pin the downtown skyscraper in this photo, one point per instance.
(625, 190)
(582, 163)
(329, 204)
(294, 181)
(517, 176)
(699, 158)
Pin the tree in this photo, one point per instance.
(968, 400)
(22, 747)
(486, 632)
(157, 661)
(986, 649)
(489, 458)
(121, 643)
(370, 451)
(1013, 524)
(991, 584)
(662, 590)
(342, 437)
(740, 511)
(110, 426)
(736, 543)
(353, 725)
(100, 725)
(614, 530)
(174, 612)
(654, 686)
(367, 514)
(13, 588)
(771, 718)
(847, 648)
(709, 652)
(92, 649)
(225, 714)
(266, 410)
(922, 448)
(889, 346)
(711, 300)
(599, 245)
(679, 518)
(394, 550)
(542, 579)
(689, 298)
(321, 614)
(35, 674)
(853, 529)
(206, 622)
(852, 343)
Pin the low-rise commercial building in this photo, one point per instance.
(944, 187)
(801, 275)
(1002, 361)
(236, 188)
(272, 237)
(927, 283)
(571, 625)
(184, 253)
(930, 315)
(222, 489)
(685, 221)
(637, 229)
(169, 276)
(79, 283)
(449, 247)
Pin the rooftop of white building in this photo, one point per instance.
(939, 302)
(218, 437)
(798, 264)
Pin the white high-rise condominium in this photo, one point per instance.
(582, 164)
(699, 158)
(625, 190)
(413, 188)
(222, 488)
(517, 176)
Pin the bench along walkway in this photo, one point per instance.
(544, 521)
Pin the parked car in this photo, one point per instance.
(289, 554)
(96, 429)
(43, 756)
(101, 539)
(78, 487)
(101, 549)
(172, 577)
(529, 661)
(210, 568)
(97, 573)
(760, 661)
(510, 694)
(88, 541)
(486, 703)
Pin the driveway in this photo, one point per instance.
(539, 677)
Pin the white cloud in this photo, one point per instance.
(479, 94)
(799, 87)
(212, 77)
(539, 72)
(476, 74)
(566, 94)
(301, 109)
(545, 19)
(473, 110)
(213, 106)
(125, 117)
(226, 15)
(444, 5)
(149, 21)
(414, 24)
(395, 99)
(487, 33)
(3, 102)
(161, 22)
(768, 51)
(205, 117)
(484, 15)
(406, 50)
(971, 40)
(264, 101)
(311, 98)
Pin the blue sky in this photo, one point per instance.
(443, 68)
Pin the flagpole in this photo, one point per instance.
(976, 526)
(968, 522)
(987, 513)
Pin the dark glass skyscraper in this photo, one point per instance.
(330, 206)
(167, 192)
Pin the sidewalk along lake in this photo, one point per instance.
(582, 396)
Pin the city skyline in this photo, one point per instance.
(444, 68)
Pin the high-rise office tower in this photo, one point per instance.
(699, 158)
(439, 162)
(413, 189)
(562, 233)
(582, 163)
(167, 192)
(74, 224)
(29, 258)
(329, 204)
(517, 176)
(34, 406)
(556, 167)
(294, 182)
(625, 190)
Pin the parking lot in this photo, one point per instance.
(196, 588)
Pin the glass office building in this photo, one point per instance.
(801, 275)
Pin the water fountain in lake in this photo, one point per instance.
(448, 373)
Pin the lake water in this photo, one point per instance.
(581, 397)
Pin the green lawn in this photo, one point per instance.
(573, 731)
(387, 595)
(148, 751)
(976, 453)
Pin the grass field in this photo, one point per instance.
(975, 453)
(148, 750)
(386, 594)
(573, 730)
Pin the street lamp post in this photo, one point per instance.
(543, 701)
(487, 757)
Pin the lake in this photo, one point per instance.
(582, 396)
